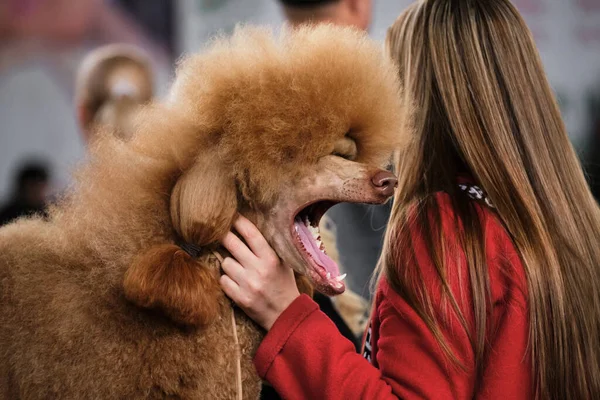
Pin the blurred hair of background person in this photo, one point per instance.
(113, 81)
(359, 228)
(31, 186)
(355, 13)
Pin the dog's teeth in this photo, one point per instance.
(329, 275)
(341, 277)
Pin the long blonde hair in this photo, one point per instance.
(483, 107)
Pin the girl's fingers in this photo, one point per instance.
(238, 249)
(234, 270)
(231, 289)
(257, 242)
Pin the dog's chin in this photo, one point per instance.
(320, 268)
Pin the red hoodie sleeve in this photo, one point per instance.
(304, 356)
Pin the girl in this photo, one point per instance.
(489, 282)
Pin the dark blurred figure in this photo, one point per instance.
(356, 13)
(30, 191)
(157, 18)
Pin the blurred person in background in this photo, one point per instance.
(355, 13)
(31, 185)
(112, 83)
(359, 228)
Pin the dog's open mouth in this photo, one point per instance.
(324, 272)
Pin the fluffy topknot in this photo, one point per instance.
(306, 88)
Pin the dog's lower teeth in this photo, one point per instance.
(341, 277)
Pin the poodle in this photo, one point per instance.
(117, 295)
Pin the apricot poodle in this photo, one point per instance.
(117, 295)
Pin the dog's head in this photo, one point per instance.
(288, 127)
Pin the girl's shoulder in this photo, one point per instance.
(466, 192)
(502, 260)
(491, 223)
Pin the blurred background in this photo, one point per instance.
(43, 41)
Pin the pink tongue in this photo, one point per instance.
(313, 249)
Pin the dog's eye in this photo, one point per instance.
(345, 148)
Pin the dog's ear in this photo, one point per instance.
(168, 279)
(186, 288)
(204, 203)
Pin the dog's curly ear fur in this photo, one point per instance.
(203, 207)
(204, 203)
(166, 278)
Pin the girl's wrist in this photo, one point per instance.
(277, 311)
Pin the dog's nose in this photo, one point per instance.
(385, 182)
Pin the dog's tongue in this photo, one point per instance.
(311, 246)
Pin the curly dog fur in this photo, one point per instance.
(100, 302)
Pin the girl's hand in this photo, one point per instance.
(256, 281)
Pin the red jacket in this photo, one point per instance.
(304, 356)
